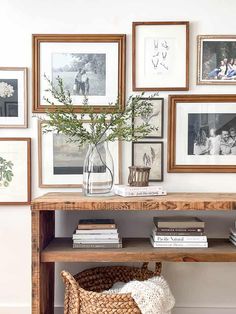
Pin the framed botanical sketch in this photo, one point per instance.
(202, 133)
(89, 65)
(154, 118)
(216, 59)
(13, 97)
(149, 154)
(15, 171)
(160, 56)
(61, 162)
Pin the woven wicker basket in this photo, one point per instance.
(83, 292)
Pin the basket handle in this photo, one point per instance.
(71, 299)
(158, 267)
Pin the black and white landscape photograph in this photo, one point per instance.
(82, 73)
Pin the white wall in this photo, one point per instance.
(206, 286)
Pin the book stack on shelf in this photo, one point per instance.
(96, 233)
(232, 235)
(178, 231)
(127, 190)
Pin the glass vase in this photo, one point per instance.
(98, 170)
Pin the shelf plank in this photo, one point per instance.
(172, 201)
(139, 250)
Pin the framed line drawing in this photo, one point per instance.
(15, 171)
(61, 162)
(149, 154)
(202, 133)
(160, 56)
(89, 65)
(13, 97)
(155, 118)
(216, 60)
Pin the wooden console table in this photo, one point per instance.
(47, 250)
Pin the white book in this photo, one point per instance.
(96, 231)
(95, 236)
(96, 241)
(179, 244)
(139, 191)
(179, 238)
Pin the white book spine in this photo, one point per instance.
(97, 241)
(140, 193)
(95, 237)
(179, 244)
(179, 238)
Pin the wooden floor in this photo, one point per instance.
(139, 250)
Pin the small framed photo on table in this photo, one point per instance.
(15, 171)
(160, 56)
(202, 133)
(13, 98)
(91, 66)
(154, 118)
(216, 60)
(149, 154)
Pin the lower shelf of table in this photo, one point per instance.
(139, 250)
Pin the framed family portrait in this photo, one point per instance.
(61, 162)
(160, 56)
(13, 97)
(216, 59)
(149, 154)
(89, 65)
(155, 118)
(202, 133)
(15, 171)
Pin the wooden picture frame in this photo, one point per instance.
(158, 119)
(17, 79)
(109, 48)
(207, 121)
(217, 68)
(70, 181)
(152, 178)
(181, 81)
(6, 180)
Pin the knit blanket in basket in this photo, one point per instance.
(153, 296)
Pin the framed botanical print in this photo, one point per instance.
(160, 56)
(61, 162)
(149, 154)
(202, 133)
(216, 59)
(13, 97)
(89, 65)
(15, 171)
(155, 118)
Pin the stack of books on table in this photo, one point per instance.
(232, 235)
(127, 190)
(96, 233)
(178, 232)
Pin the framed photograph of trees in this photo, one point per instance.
(89, 65)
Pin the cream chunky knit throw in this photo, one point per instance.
(153, 296)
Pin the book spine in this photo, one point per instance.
(179, 238)
(96, 232)
(97, 246)
(140, 193)
(185, 234)
(179, 229)
(180, 244)
(95, 237)
(95, 226)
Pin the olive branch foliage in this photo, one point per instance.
(103, 126)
